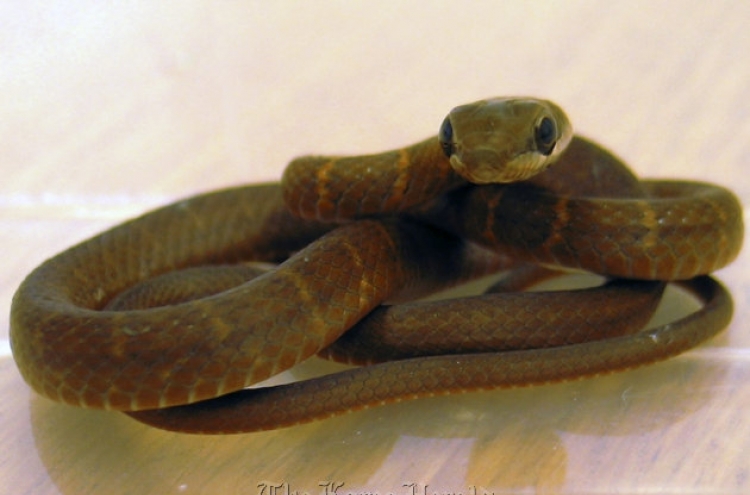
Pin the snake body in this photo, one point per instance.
(183, 365)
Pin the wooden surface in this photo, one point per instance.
(108, 111)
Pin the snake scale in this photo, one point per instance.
(163, 317)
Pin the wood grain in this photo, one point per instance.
(109, 110)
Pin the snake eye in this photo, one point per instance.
(445, 135)
(545, 136)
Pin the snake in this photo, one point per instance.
(504, 186)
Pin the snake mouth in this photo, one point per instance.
(488, 168)
(525, 166)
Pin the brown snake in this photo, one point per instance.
(182, 364)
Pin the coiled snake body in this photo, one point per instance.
(182, 363)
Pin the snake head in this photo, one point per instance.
(504, 139)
